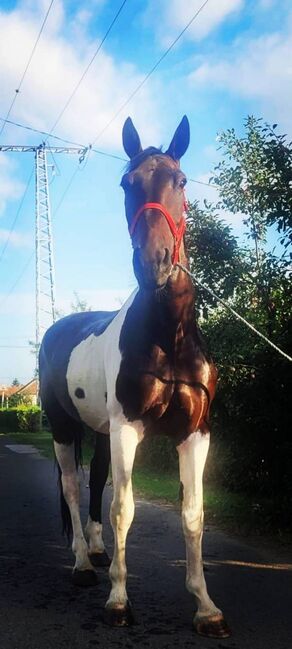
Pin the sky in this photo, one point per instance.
(235, 59)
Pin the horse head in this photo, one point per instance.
(155, 204)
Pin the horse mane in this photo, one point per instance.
(138, 159)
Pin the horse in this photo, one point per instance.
(143, 370)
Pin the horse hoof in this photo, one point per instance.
(119, 616)
(84, 577)
(99, 559)
(213, 626)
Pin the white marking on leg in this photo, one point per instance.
(93, 531)
(66, 460)
(124, 440)
(192, 457)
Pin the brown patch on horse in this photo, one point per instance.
(166, 377)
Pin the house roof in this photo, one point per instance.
(9, 390)
(28, 389)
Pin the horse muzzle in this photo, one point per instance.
(152, 271)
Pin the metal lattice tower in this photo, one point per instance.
(44, 259)
(45, 272)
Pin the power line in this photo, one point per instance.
(61, 139)
(83, 146)
(55, 123)
(201, 182)
(5, 121)
(150, 72)
(14, 347)
(88, 66)
(134, 93)
(36, 130)
(16, 216)
(26, 67)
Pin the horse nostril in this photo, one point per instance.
(163, 258)
(166, 259)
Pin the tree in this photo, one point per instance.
(214, 255)
(255, 179)
(253, 445)
(15, 382)
(79, 304)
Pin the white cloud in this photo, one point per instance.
(259, 69)
(17, 239)
(57, 66)
(169, 17)
(10, 188)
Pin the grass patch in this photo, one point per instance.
(235, 512)
(154, 486)
(43, 441)
(221, 507)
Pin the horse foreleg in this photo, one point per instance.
(124, 440)
(83, 572)
(193, 452)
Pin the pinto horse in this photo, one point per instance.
(139, 371)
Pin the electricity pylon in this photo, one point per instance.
(45, 308)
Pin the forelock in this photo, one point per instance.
(141, 157)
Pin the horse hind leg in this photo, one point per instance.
(67, 435)
(99, 468)
(83, 572)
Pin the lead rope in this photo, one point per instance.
(236, 315)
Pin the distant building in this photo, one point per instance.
(27, 392)
(6, 391)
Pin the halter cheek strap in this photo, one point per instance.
(177, 230)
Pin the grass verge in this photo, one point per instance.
(231, 511)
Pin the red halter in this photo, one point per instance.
(177, 230)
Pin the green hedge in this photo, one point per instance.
(23, 418)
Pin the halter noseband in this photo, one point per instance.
(177, 230)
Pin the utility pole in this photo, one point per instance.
(45, 308)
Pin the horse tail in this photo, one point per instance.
(65, 511)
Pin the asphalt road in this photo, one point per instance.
(41, 609)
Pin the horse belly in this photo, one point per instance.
(86, 383)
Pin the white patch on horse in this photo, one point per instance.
(124, 440)
(93, 367)
(86, 372)
(93, 532)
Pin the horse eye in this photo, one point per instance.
(183, 182)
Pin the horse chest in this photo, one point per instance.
(165, 390)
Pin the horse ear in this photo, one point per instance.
(180, 140)
(131, 140)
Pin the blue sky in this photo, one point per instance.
(234, 60)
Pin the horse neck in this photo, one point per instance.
(180, 300)
(173, 308)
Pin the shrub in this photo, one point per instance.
(158, 453)
(23, 418)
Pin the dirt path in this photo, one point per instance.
(41, 609)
